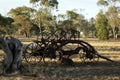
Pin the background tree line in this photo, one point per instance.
(40, 20)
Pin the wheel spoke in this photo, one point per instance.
(86, 59)
(30, 51)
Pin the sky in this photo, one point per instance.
(88, 8)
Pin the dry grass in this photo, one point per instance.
(105, 43)
(102, 70)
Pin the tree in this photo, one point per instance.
(72, 15)
(22, 16)
(113, 19)
(2, 24)
(101, 25)
(8, 25)
(34, 30)
(5, 25)
(2, 20)
(102, 2)
(112, 13)
(72, 20)
(43, 17)
(91, 26)
(13, 50)
(46, 3)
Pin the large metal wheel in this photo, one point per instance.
(86, 53)
(88, 57)
(82, 55)
(30, 53)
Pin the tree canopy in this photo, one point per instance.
(40, 19)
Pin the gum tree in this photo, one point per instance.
(112, 13)
(22, 17)
(101, 25)
(43, 17)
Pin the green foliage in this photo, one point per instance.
(21, 11)
(101, 25)
(91, 27)
(102, 2)
(22, 17)
(112, 13)
(72, 15)
(5, 25)
(3, 20)
(34, 30)
(73, 20)
(46, 3)
(43, 17)
(34, 1)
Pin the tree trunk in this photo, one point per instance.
(8, 56)
(114, 35)
(13, 50)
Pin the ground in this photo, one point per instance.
(102, 70)
(53, 70)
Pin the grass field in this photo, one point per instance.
(52, 70)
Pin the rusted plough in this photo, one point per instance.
(39, 50)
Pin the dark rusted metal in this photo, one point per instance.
(47, 47)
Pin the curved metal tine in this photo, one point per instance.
(29, 51)
(50, 35)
